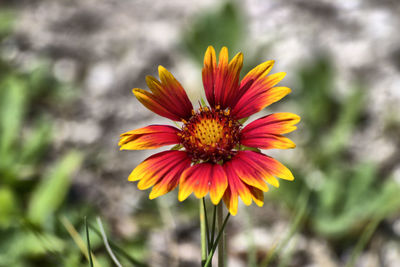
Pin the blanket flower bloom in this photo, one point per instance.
(214, 152)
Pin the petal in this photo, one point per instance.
(257, 195)
(175, 94)
(247, 173)
(167, 98)
(268, 141)
(252, 77)
(209, 69)
(221, 83)
(236, 187)
(250, 104)
(195, 179)
(258, 72)
(158, 167)
(262, 172)
(268, 164)
(171, 179)
(255, 95)
(218, 183)
(230, 86)
(231, 201)
(221, 73)
(277, 123)
(149, 137)
(266, 132)
(153, 103)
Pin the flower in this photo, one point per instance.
(214, 152)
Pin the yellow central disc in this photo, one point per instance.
(209, 132)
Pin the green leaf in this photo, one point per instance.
(51, 191)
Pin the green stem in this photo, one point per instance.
(213, 227)
(221, 245)
(214, 247)
(203, 233)
(209, 244)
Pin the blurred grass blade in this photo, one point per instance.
(51, 191)
(339, 136)
(89, 250)
(303, 200)
(119, 250)
(78, 240)
(363, 240)
(12, 111)
(106, 244)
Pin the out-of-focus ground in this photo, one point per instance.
(342, 60)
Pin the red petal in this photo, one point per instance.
(250, 104)
(175, 95)
(268, 141)
(221, 83)
(163, 168)
(195, 179)
(149, 137)
(167, 98)
(258, 92)
(208, 73)
(171, 179)
(268, 164)
(253, 76)
(218, 183)
(236, 188)
(202, 178)
(247, 173)
(266, 132)
(257, 73)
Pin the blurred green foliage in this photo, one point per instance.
(35, 180)
(33, 184)
(223, 26)
(345, 193)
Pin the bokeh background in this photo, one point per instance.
(66, 73)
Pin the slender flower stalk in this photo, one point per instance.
(203, 232)
(221, 243)
(214, 152)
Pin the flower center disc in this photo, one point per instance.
(210, 135)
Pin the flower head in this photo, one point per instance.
(216, 153)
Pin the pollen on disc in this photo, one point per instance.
(210, 135)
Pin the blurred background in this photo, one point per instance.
(66, 73)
